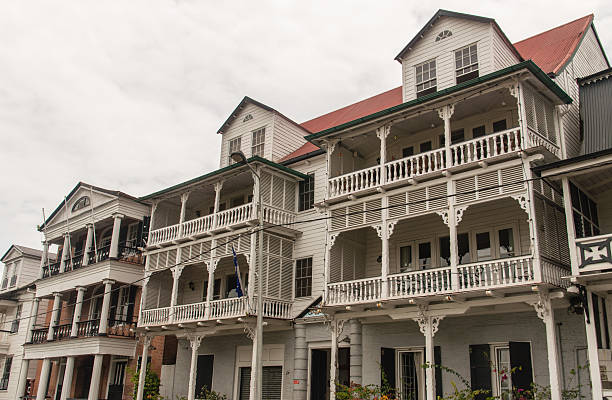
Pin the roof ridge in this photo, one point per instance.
(591, 16)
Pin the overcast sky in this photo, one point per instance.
(128, 95)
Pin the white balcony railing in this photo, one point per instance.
(354, 181)
(274, 308)
(224, 219)
(156, 316)
(228, 308)
(475, 276)
(417, 283)
(485, 147)
(190, 312)
(414, 166)
(594, 253)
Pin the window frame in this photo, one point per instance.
(431, 84)
(583, 219)
(494, 240)
(231, 148)
(495, 376)
(301, 279)
(258, 140)
(464, 70)
(420, 371)
(304, 203)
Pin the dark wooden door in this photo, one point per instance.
(204, 372)
(319, 372)
(115, 386)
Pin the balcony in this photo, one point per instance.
(594, 253)
(217, 310)
(89, 328)
(223, 220)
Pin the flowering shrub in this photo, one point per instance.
(356, 391)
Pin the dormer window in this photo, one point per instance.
(257, 143)
(81, 203)
(234, 146)
(443, 35)
(426, 82)
(466, 63)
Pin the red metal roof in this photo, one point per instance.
(552, 49)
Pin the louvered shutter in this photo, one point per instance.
(480, 370)
(245, 381)
(438, 362)
(520, 363)
(387, 367)
(272, 379)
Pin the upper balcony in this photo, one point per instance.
(223, 201)
(442, 136)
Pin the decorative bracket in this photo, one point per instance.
(331, 146)
(447, 111)
(428, 322)
(332, 239)
(444, 215)
(459, 213)
(211, 265)
(379, 230)
(146, 279)
(522, 200)
(248, 258)
(542, 307)
(177, 271)
(249, 331)
(218, 186)
(514, 90)
(390, 227)
(383, 131)
(195, 341)
(185, 197)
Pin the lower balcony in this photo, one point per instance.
(216, 310)
(89, 328)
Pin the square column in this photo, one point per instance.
(67, 383)
(143, 368)
(43, 385)
(88, 243)
(96, 374)
(143, 294)
(108, 287)
(65, 253)
(114, 247)
(546, 313)
(194, 341)
(78, 307)
(446, 113)
(184, 198)
(57, 306)
(382, 134)
(44, 259)
(218, 186)
(428, 325)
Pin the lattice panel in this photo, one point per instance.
(278, 192)
(266, 185)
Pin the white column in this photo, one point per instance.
(67, 383)
(571, 228)
(153, 214)
(57, 307)
(176, 275)
(533, 226)
(210, 266)
(78, 307)
(104, 314)
(88, 243)
(194, 341)
(546, 313)
(382, 134)
(218, 186)
(429, 326)
(65, 253)
(300, 363)
(330, 145)
(143, 294)
(32, 319)
(592, 349)
(23, 377)
(114, 247)
(446, 113)
(454, 250)
(385, 235)
(356, 358)
(96, 375)
(43, 384)
(44, 258)
(184, 198)
(253, 380)
(143, 368)
(333, 359)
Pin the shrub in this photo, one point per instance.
(151, 384)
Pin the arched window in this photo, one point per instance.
(443, 35)
(81, 203)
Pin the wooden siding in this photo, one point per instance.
(286, 137)
(465, 32)
(596, 116)
(261, 118)
(502, 55)
(588, 60)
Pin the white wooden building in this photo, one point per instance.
(21, 269)
(404, 229)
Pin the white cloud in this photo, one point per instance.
(129, 94)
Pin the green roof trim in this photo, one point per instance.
(224, 170)
(529, 65)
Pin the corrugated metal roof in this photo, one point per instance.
(552, 49)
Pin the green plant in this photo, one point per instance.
(361, 392)
(206, 394)
(151, 384)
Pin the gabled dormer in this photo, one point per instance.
(259, 130)
(450, 49)
(21, 266)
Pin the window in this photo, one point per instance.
(499, 126)
(479, 131)
(424, 255)
(506, 243)
(216, 290)
(426, 78)
(6, 373)
(271, 381)
(81, 203)
(425, 146)
(483, 246)
(586, 219)
(15, 324)
(237, 201)
(411, 375)
(406, 258)
(407, 151)
(123, 303)
(466, 63)
(306, 194)
(234, 146)
(443, 35)
(502, 368)
(303, 277)
(457, 136)
(463, 250)
(257, 144)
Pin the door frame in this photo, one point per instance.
(111, 371)
(319, 345)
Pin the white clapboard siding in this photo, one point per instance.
(502, 55)
(587, 60)
(286, 137)
(465, 32)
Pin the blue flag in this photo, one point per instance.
(238, 283)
